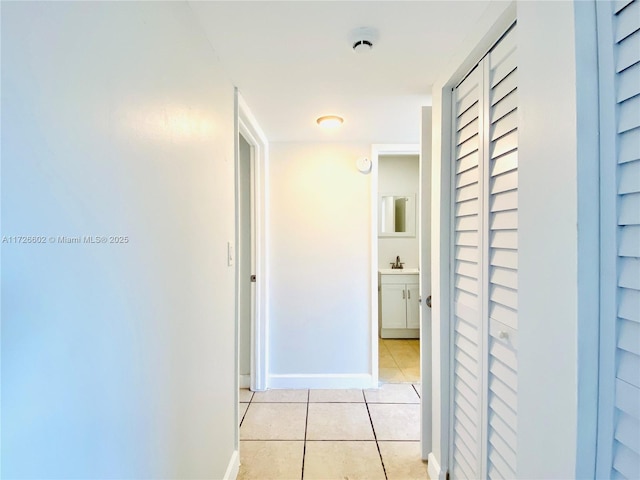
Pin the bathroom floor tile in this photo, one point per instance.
(287, 396)
(390, 375)
(402, 461)
(274, 421)
(270, 460)
(396, 421)
(342, 460)
(338, 421)
(245, 395)
(387, 361)
(411, 374)
(392, 393)
(353, 395)
(406, 359)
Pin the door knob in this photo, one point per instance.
(429, 301)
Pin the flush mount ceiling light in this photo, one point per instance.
(330, 121)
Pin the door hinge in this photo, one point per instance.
(253, 279)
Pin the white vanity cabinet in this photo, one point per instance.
(399, 305)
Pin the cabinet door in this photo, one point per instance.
(394, 314)
(413, 307)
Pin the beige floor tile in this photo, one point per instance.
(402, 461)
(338, 421)
(396, 421)
(399, 346)
(412, 374)
(387, 361)
(353, 395)
(245, 395)
(289, 396)
(407, 359)
(392, 393)
(383, 351)
(242, 410)
(270, 460)
(342, 460)
(274, 421)
(390, 375)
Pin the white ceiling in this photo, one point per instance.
(292, 61)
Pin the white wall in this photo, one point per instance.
(558, 265)
(319, 257)
(399, 174)
(118, 359)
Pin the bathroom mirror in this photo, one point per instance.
(397, 214)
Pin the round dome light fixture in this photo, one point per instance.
(330, 121)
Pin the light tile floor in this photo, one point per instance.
(398, 360)
(331, 434)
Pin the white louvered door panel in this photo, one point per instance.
(485, 268)
(502, 259)
(466, 322)
(619, 413)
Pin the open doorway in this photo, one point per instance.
(423, 235)
(398, 240)
(395, 240)
(250, 245)
(246, 256)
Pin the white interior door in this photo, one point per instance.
(484, 266)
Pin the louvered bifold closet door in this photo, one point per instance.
(484, 322)
(502, 259)
(622, 378)
(467, 328)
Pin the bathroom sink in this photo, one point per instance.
(398, 271)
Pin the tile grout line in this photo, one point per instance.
(245, 412)
(417, 393)
(304, 445)
(375, 437)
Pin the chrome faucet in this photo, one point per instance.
(397, 263)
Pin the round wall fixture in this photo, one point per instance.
(363, 164)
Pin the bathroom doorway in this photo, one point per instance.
(398, 240)
(390, 355)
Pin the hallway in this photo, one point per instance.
(331, 434)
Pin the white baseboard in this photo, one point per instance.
(337, 380)
(245, 381)
(234, 467)
(433, 469)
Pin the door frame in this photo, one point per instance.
(247, 126)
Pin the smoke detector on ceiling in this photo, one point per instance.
(363, 39)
